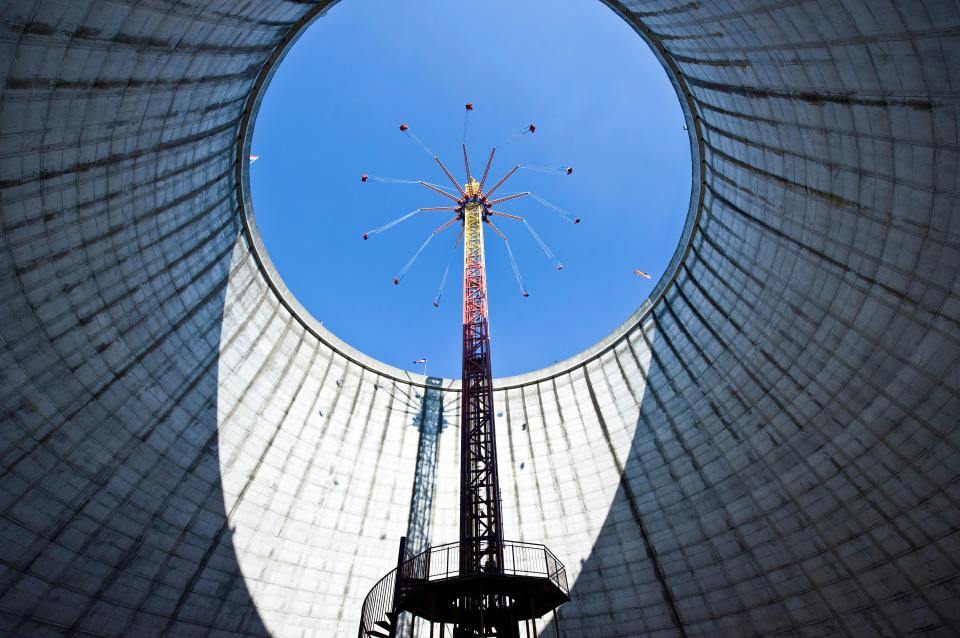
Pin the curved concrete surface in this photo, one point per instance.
(768, 447)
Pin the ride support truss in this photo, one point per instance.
(480, 525)
(482, 592)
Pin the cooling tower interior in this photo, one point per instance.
(767, 446)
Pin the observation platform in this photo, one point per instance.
(529, 580)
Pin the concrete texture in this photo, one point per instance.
(768, 446)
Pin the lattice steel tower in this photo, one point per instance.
(480, 524)
(482, 585)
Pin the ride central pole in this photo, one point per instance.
(480, 525)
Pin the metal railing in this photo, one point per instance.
(443, 562)
(519, 559)
(378, 603)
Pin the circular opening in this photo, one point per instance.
(602, 103)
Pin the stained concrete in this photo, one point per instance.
(767, 446)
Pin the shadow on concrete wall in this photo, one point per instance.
(622, 589)
(429, 422)
(113, 514)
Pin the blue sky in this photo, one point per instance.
(601, 103)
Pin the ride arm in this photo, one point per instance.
(450, 177)
(496, 230)
(496, 212)
(445, 226)
(502, 180)
(440, 190)
(466, 162)
(486, 171)
(506, 199)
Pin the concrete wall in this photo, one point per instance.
(768, 446)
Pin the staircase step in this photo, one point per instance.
(377, 634)
(384, 625)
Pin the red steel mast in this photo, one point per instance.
(480, 524)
